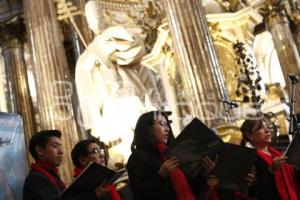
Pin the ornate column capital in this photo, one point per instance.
(292, 9)
(275, 9)
(283, 11)
(10, 43)
(12, 33)
(146, 15)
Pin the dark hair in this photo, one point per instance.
(250, 126)
(143, 133)
(81, 149)
(41, 139)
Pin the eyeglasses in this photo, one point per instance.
(161, 123)
(98, 151)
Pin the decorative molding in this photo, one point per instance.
(122, 6)
(146, 15)
(235, 26)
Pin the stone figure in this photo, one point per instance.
(110, 85)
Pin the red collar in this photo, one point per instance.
(50, 171)
(78, 170)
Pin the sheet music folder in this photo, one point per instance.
(233, 165)
(293, 150)
(89, 179)
(192, 144)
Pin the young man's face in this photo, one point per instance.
(52, 153)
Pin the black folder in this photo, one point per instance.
(233, 165)
(192, 144)
(293, 150)
(89, 179)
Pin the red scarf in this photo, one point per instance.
(48, 170)
(284, 177)
(178, 179)
(77, 171)
(114, 195)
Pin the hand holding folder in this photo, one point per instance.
(235, 162)
(89, 179)
(192, 144)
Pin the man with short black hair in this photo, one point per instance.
(43, 181)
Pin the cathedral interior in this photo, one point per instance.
(219, 60)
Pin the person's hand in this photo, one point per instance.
(168, 166)
(277, 162)
(208, 164)
(212, 182)
(100, 190)
(250, 178)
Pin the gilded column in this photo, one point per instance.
(279, 27)
(8, 58)
(3, 84)
(294, 16)
(9, 93)
(204, 82)
(296, 34)
(17, 77)
(54, 89)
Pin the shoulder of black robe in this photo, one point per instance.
(38, 187)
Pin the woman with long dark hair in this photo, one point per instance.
(151, 174)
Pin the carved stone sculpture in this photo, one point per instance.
(111, 93)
